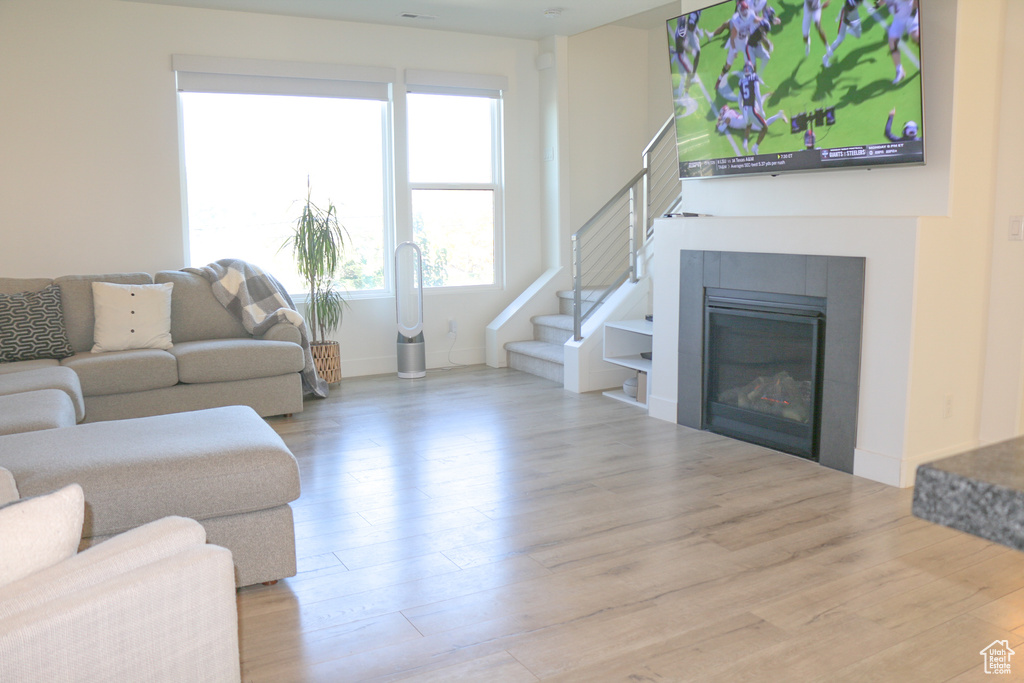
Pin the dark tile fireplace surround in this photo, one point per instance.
(839, 280)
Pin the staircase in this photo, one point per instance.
(544, 355)
(606, 266)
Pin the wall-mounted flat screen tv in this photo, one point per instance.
(770, 86)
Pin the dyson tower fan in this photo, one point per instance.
(412, 359)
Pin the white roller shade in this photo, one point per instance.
(264, 77)
(451, 83)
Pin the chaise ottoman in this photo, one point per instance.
(224, 467)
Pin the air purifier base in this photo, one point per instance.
(412, 357)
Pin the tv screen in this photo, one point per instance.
(766, 86)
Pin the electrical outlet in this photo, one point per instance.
(453, 327)
(947, 407)
(1017, 228)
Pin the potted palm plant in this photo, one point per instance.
(318, 246)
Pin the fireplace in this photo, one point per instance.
(806, 287)
(762, 368)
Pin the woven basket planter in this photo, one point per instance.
(327, 358)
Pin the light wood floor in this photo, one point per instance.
(485, 525)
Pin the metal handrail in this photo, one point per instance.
(597, 254)
(594, 220)
(661, 164)
(607, 232)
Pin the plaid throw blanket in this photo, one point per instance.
(256, 298)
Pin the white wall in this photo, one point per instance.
(553, 65)
(89, 140)
(608, 119)
(954, 252)
(659, 80)
(1002, 410)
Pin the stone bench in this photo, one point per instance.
(224, 467)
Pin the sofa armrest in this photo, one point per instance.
(8, 487)
(117, 556)
(282, 332)
(171, 620)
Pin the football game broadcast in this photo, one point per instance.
(769, 86)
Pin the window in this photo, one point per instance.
(455, 184)
(248, 159)
(254, 132)
(252, 143)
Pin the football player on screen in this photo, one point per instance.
(741, 25)
(679, 54)
(758, 45)
(812, 16)
(750, 99)
(760, 7)
(691, 44)
(849, 21)
(904, 21)
(910, 131)
(730, 119)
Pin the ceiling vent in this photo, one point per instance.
(413, 15)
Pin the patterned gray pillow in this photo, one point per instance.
(32, 326)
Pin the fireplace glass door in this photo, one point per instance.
(762, 361)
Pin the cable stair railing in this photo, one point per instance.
(605, 249)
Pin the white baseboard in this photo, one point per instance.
(662, 409)
(388, 364)
(901, 472)
(876, 467)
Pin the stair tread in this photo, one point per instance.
(559, 321)
(585, 294)
(554, 353)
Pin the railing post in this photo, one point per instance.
(577, 285)
(632, 233)
(647, 188)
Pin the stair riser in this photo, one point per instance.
(536, 366)
(552, 335)
(565, 306)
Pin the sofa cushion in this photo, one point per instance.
(131, 316)
(78, 307)
(32, 410)
(201, 464)
(32, 326)
(118, 372)
(36, 533)
(225, 360)
(195, 312)
(64, 379)
(23, 365)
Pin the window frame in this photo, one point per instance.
(421, 82)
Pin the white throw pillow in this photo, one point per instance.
(39, 532)
(131, 316)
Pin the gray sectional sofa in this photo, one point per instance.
(213, 362)
(177, 431)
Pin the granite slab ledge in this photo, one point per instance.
(980, 492)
